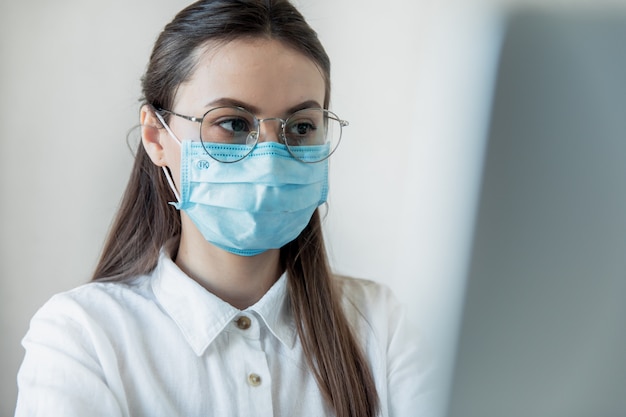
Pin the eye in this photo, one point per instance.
(227, 125)
(234, 125)
(301, 128)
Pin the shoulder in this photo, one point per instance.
(90, 322)
(94, 304)
(94, 293)
(365, 295)
(371, 307)
(75, 345)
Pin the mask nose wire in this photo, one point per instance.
(166, 171)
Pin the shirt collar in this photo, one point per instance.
(202, 316)
(275, 312)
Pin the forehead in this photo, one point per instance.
(264, 73)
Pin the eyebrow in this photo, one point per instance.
(225, 101)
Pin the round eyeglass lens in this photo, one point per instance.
(231, 129)
(312, 135)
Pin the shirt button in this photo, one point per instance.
(243, 323)
(254, 380)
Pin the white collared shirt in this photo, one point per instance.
(164, 346)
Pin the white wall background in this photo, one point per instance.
(409, 75)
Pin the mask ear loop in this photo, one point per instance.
(168, 177)
(166, 171)
(326, 208)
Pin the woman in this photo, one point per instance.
(213, 295)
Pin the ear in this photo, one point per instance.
(151, 131)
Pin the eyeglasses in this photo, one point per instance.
(304, 133)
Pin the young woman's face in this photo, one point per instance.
(264, 76)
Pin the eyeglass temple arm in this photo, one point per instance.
(190, 118)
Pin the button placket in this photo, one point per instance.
(248, 362)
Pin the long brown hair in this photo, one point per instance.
(145, 220)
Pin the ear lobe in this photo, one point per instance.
(151, 131)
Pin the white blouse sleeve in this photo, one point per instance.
(63, 370)
(401, 362)
(410, 369)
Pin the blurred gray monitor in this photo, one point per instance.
(543, 331)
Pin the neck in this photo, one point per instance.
(241, 281)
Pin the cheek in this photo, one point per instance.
(184, 129)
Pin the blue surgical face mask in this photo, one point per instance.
(262, 202)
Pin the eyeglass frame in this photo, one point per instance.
(283, 124)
